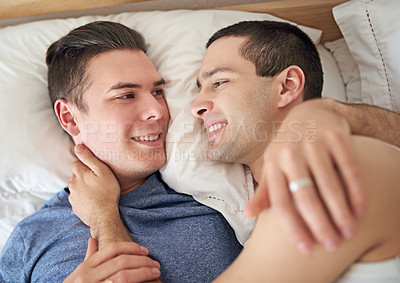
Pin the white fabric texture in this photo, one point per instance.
(348, 69)
(332, 75)
(387, 271)
(371, 30)
(36, 153)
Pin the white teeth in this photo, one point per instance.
(216, 127)
(147, 138)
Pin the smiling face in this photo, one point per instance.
(127, 118)
(234, 103)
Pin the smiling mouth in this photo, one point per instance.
(147, 138)
(216, 127)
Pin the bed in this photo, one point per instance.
(357, 44)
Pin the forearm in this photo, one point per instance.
(377, 238)
(109, 229)
(369, 120)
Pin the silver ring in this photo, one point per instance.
(294, 186)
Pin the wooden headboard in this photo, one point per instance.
(313, 13)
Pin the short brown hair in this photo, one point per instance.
(67, 58)
(273, 46)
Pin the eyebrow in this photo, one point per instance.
(207, 75)
(122, 85)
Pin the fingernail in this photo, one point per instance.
(156, 271)
(144, 250)
(303, 248)
(348, 233)
(330, 245)
(156, 264)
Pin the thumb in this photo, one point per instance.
(92, 248)
(258, 202)
(86, 156)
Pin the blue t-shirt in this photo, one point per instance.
(192, 242)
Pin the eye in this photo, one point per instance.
(219, 83)
(158, 92)
(127, 95)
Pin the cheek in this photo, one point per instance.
(164, 105)
(119, 118)
(105, 133)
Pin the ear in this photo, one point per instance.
(292, 81)
(65, 115)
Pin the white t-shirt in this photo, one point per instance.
(387, 271)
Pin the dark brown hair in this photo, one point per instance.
(67, 58)
(273, 46)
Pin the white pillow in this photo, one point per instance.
(333, 86)
(371, 30)
(36, 153)
(348, 69)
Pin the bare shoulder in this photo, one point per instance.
(379, 165)
(269, 257)
(366, 146)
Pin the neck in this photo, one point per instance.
(129, 185)
(256, 167)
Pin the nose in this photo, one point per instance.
(153, 108)
(201, 106)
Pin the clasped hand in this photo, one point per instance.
(312, 148)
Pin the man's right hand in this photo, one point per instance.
(94, 189)
(117, 262)
(94, 196)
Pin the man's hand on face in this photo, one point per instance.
(117, 262)
(311, 153)
(94, 189)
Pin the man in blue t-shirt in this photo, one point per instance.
(100, 78)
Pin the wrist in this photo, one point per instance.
(346, 112)
(110, 229)
(335, 106)
(104, 221)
